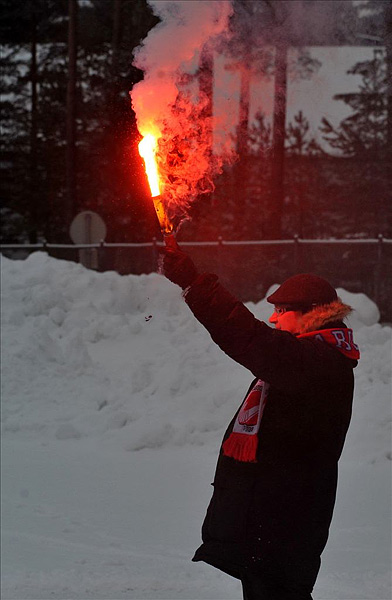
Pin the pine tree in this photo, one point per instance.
(364, 132)
(298, 141)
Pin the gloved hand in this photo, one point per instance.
(178, 267)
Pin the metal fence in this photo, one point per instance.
(248, 268)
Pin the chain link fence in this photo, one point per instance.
(248, 268)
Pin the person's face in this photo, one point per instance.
(286, 320)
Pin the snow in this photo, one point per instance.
(115, 401)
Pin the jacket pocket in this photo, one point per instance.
(227, 515)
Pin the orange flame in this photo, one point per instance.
(147, 149)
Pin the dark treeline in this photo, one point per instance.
(69, 138)
(56, 129)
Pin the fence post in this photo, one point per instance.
(101, 255)
(220, 256)
(378, 270)
(154, 255)
(296, 253)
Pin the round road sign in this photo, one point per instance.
(87, 228)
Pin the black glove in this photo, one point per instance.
(179, 267)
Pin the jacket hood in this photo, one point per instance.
(320, 316)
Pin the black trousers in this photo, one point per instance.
(256, 588)
(282, 577)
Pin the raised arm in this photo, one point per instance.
(275, 356)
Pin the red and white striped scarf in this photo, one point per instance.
(243, 440)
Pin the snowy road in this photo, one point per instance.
(89, 522)
(83, 520)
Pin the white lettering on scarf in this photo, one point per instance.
(250, 414)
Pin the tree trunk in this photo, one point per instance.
(33, 200)
(206, 95)
(116, 36)
(206, 89)
(279, 126)
(243, 118)
(71, 113)
(388, 47)
(241, 171)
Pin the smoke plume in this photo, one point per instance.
(166, 103)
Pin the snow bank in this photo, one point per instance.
(122, 358)
(365, 310)
(99, 354)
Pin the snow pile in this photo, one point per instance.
(100, 370)
(99, 354)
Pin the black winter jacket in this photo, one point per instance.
(274, 515)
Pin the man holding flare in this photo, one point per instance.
(276, 477)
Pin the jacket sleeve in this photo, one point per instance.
(278, 357)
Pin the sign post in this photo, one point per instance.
(88, 228)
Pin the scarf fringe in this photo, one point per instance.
(241, 447)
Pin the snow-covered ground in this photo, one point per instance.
(114, 404)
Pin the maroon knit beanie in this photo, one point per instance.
(303, 290)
